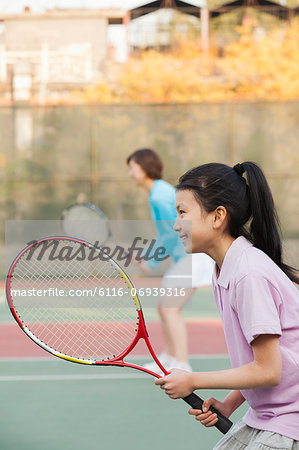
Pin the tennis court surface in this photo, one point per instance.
(52, 404)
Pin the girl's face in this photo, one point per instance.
(194, 224)
(137, 173)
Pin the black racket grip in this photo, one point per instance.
(223, 424)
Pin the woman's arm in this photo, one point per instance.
(163, 216)
(263, 371)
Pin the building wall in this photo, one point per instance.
(69, 36)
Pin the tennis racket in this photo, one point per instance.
(77, 303)
(85, 221)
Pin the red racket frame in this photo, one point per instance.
(223, 424)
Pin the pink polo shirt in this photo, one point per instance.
(255, 297)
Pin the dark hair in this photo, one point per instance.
(250, 206)
(150, 162)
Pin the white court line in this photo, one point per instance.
(132, 358)
(79, 377)
(108, 376)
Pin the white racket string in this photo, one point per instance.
(96, 326)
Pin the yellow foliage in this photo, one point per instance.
(266, 68)
(257, 66)
(102, 93)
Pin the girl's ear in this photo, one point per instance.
(219, 217)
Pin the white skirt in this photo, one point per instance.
(191, 271)
(241, 437)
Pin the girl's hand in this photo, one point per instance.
(177, 385)
(206, 417)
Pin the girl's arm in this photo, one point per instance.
(231, 402)
(263, 371)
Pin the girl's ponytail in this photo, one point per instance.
(264, 228)
(244, 192)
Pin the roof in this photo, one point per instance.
(266, 6)
(148, 8)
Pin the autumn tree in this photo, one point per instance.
(255, 66)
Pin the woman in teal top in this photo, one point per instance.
(162, 205)
(145, 167)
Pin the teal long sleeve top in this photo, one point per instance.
(163, 213)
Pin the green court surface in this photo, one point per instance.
(56, 405)
(50, 404)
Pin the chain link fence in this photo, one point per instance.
(53, 156)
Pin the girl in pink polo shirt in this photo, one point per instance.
(234, 222)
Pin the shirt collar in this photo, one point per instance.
(230, 260)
